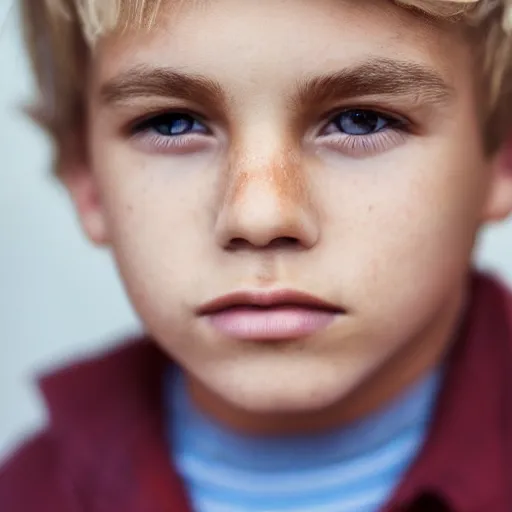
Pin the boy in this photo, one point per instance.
(292, 191)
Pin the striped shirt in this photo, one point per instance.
(353, 469)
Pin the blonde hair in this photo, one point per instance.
(60, 35)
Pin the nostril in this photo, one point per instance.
(237, 244)
(283, 242)
(276, 243)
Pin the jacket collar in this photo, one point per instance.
(463, 463)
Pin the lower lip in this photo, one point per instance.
(273, 324)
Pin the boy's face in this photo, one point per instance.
(330, 147)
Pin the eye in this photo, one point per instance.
(361, 133)
(172, 125)
(360, 122)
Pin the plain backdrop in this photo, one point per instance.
(59, 297)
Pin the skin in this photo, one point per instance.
(272, 195)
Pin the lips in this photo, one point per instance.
(266, 316)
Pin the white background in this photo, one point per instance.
(59, 297)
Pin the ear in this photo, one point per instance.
(499, 197)
(78, 177)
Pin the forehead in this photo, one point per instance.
(286, 39)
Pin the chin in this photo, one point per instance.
(288, 389)
(267, 401)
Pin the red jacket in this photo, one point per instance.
(105, 447)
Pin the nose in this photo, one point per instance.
(266, 205)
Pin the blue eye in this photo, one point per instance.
(173, 125)
(361, 122)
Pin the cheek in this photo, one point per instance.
(401, 230)
(157, 220)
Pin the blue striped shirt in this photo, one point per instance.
(354, 469)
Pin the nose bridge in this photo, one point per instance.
(276, 176)
(266, 198)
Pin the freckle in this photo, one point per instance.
(239, 165)
(240, 184)
(290, 183)
(283, 174)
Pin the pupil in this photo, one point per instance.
(368, 119)
(174, 125)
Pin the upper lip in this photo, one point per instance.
(267, 299)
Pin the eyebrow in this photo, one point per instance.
(144, 81)
(374, 77)
(384, 77)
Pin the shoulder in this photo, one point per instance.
(90, 406)
(32, 478)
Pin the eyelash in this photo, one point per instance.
(145, 131)
(391, 133)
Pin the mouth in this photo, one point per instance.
(269, 316)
